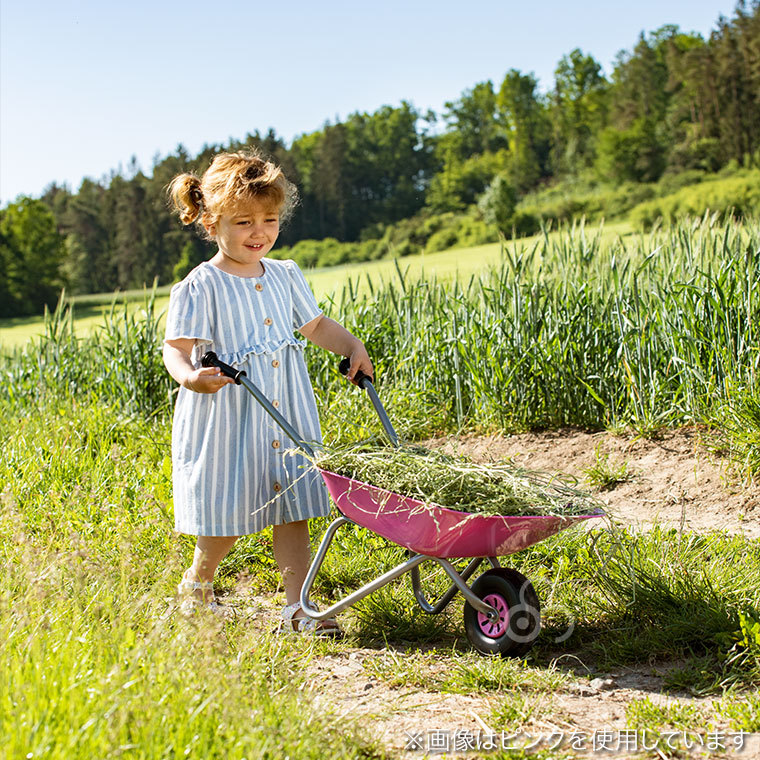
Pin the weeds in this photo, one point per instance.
(517, 710)
(742, 710)
(463, 673)
(644, 713)
(605, 474)
(643, 332)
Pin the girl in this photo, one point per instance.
(230, 475)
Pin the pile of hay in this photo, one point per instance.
(456, 482)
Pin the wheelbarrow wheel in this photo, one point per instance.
(519, 621)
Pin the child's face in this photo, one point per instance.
(248, 233)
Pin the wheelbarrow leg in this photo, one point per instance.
(439, 606)
(360, 593)
(474, 600)
(316, 564)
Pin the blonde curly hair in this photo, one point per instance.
(231, 181)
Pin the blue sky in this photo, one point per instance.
(86, 84)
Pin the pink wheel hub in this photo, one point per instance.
(494, 628)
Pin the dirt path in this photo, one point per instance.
(676, 482)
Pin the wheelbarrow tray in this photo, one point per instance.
(437, 531)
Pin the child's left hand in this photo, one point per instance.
(329, 334)
(360, 362)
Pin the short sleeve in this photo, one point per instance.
(188, 315)
(305, 307)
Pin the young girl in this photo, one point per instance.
(230, 475)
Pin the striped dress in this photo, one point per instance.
(234, 469)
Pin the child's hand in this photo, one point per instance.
(360, 362)
(206, 380)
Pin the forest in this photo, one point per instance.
(503, 157)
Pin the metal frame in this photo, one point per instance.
(411, 565)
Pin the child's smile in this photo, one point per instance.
(244, 237)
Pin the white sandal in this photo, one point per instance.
(190, 604)
(308, 624)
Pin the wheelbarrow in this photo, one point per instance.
(502, 612)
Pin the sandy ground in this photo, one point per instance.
(676, 481)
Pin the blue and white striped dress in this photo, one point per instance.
(234, 470)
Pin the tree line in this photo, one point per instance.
(674, 102)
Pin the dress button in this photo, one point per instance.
(277, 488)
(267, 321)
(259, 286)
(275, 444)
(275, 363)
(276, 404)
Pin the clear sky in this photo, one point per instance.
(87, 84)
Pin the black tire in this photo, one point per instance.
(513, 591)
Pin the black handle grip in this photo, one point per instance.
(210, 359)
(359, 377)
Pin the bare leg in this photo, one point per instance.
(209, 552)
(291, 552)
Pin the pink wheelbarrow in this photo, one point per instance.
(502, 612)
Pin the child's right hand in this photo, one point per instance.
(181, 368)
(206, 380)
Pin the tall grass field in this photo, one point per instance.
(576, 328)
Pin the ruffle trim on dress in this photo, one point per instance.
(239, 357)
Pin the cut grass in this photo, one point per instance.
(457, 483)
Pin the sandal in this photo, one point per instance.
(190, 604)
(325, 628)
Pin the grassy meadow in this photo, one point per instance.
(584, 326)
(89, 311)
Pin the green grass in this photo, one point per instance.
(96, 663)
(90, 310)
(88, 313)
(573, 328)
(461, 263)
(88, 636)
(646, 714)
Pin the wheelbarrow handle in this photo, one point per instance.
(359, 378)
(210, 359)
(365, 382)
